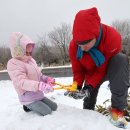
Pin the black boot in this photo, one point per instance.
(26, 109)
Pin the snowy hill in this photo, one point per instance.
(69, 116)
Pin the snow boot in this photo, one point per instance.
(26, 109)
(118, 119)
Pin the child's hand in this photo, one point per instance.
(51, 81)
(46, 88)
(43, 78)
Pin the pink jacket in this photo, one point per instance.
(24, 73)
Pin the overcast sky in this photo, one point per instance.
(34, 17)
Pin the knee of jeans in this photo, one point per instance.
(119, 59)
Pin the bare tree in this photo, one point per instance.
(37, 55)
(43, 53)
(5, 55)
(1, 66)
(124, 28)
(60, 37)
(50, 49)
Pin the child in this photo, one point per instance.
(28, 81)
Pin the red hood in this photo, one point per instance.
(86, 25)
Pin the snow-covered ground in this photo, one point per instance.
(69, 115)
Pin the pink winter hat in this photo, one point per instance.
(18, 43)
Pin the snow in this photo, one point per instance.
(69, 115)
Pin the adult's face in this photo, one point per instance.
(86, 47)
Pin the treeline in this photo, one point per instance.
(52, 49)
(124, 28)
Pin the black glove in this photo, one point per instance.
(73, 94)
(87, 89)
(84, 92)
(80, 93)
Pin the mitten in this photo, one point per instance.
(51, 81)
(43, 78)
(46, 88)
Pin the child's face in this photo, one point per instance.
(28, 55)
(29, 49)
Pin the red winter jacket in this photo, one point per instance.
(87, 26)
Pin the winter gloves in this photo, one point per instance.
(73, 94)
(46, 88)
(51, 81)
(46, 84)
(87, 90)
(81, 93)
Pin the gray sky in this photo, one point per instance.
(35, 17)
